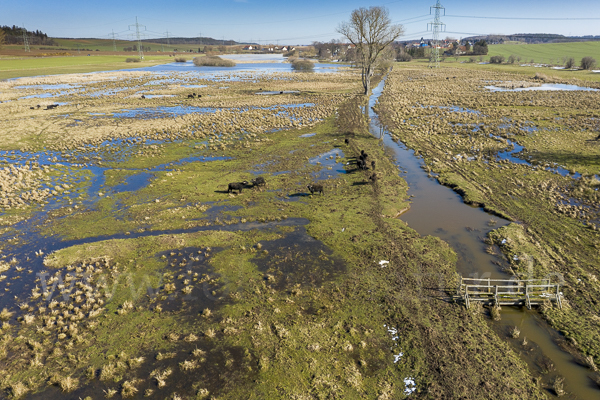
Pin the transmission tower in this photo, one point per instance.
(114, 43)
(163, 46)
(436, 26)
(138, 37)
(25, 39)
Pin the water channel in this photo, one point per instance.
(437, 210)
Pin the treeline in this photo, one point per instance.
(533, 38)
(14, 35)
(135, 48)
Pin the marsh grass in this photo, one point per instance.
(213, 61)
(558, 386)
(495, 313)
(302, 65)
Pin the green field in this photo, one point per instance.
(548, 53)
(107, 45)
(12, 68)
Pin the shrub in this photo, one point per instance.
(302, 65)
(290, 53)
(132, 59)
(212, 61)
(404, 57)
(497, 59)
(180, 59)
(588, 63)
(512, 58)
(570, 63)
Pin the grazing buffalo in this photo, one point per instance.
(236, 186)
(259, 181)
(314, 188)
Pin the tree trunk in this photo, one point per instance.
(367, 72)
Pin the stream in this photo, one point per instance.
(437, 210)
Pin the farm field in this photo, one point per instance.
(35, 66)
(547, 53)
(131, 269)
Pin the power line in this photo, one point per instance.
(525, 18)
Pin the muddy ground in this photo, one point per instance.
(129, 271)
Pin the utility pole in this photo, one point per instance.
(434, 59)
(137, 35)
(114, 43)
(25, 39)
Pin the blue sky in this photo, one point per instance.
(295, 22)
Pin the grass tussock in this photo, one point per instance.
(132, 60)
(302, 65)
(212, 61)
(180, 59)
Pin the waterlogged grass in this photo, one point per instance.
(555, 232)
(234, 314)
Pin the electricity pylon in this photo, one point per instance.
(25, 39)
(434, 59)
(137, 35)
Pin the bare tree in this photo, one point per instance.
(370, 31)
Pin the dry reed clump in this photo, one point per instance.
(129, 389)
(213, 61)
(17, 390)
(558, 386)
(515, 332)
(160, 376)
(495, 313)
(188, 365)
(589, 360)
(5, 314)
(302, 65)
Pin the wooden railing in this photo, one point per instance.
(527, 292)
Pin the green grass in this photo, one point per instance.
(515, 68)
(107, 45)
(547, 53)
(12, 68)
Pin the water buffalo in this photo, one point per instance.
(314, 188)
(259, 181)
(236, 186)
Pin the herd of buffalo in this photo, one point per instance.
(361, 164)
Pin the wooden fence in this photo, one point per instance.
(499, 292)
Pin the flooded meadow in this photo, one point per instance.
(130, 267)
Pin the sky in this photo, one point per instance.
(293, 22)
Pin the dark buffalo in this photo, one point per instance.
(236, 186)
(314, 188)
